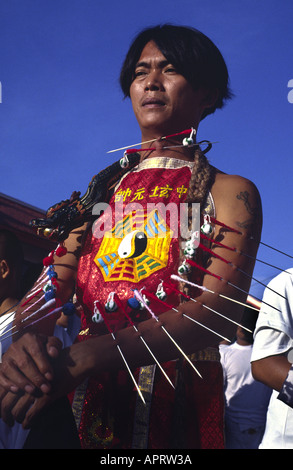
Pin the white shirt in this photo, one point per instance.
(274, 335)
(246, 400)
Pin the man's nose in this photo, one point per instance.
(154, 81)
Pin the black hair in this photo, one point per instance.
(193, 55)
(248, 320)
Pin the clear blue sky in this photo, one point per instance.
(62, 108)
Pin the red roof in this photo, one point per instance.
(15, 215)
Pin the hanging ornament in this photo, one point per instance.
(68, 309)
(49, 286)
(49, 259)
(133, 303)
(189, 140)
(111, 305)
(97, 316)
(191, 245)
(189, 250)
(124, 162)
(51, 273)
(160, 293)
(144, 303)
(184, 268)
(49, 290)
(207, 227)
(61, 250)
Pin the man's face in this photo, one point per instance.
(163, 101)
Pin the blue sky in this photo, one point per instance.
(62, 108)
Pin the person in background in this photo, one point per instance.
(272, 359)
(11, 277)
(246, 400)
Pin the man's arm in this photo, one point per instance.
(272, 371)
(65, 268)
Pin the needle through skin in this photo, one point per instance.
(140, 298)
(144, 342)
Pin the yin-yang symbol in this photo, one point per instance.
(133, 244)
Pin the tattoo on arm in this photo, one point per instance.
(253, 211)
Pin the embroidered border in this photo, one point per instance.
(78, 401)
(142, 412)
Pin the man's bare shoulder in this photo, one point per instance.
(225, 185)
(224, 178)
(237, 199)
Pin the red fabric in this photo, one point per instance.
(177, 418)
(152, 185)
(191, 420)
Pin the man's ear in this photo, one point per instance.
(4, 269)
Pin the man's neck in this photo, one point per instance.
(164, 148)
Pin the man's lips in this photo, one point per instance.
(153, 103)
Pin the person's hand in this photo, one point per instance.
(71, 367)
(26, 365)
(14, 407)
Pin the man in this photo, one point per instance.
(175, 77)
(272, 359)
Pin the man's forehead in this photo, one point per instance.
(150, 53)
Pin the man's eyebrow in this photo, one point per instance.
(161, 64)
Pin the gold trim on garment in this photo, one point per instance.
(157, 163)
(208, 354)
(142, 411)
(78, 401)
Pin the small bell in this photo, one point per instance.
(49, 286)
(97, 316)
(206, 227)
(49, 292)
(144, 303)
(111, 305)
(184, 268)
(161, 294)
(189, 140)
(189, 249)
(124, 162)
